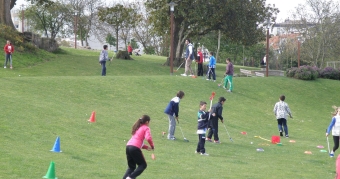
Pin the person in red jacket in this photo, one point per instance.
(130, 49)
(9, 49)
(200, 62)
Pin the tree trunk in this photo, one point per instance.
(5, 12)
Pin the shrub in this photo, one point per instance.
(291, 72)
(330, 73)
(16, 38)
(303, 73)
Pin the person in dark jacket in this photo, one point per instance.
(172, 110)
(216, 114)
(202, 123)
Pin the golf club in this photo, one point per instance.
(185, 139)
(228, 133)
(219, 85)
(208, 72)
(179, 66)
(328, 143)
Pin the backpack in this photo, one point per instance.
(194, 53)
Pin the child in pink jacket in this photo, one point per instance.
(134, 155)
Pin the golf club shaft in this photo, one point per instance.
(328, 143)
(227, 132)
(180, 66)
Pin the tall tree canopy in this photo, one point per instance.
(237, 19)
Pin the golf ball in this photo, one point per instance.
(251, 142)
(19, 75)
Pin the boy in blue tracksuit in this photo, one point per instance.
(202, 121)
(172, 110)
(212, 65)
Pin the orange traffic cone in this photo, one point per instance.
(93, 117)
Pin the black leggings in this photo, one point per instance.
(134, 156)
(336, 143)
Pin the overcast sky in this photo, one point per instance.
(285, 6)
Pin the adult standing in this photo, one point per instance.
(199, 62)
(189, 56)
(229, 76)
(104, 56)
(130, 49)
(9, 49)
(216, 113)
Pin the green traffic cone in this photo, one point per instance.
(51, 171)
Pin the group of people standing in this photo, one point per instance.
(211, 74)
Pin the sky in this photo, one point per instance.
(285, 7)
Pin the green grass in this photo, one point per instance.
(55, 97)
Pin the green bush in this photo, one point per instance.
(330, 73)
(16, 39)
(303, 73)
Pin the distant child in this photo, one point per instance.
(104, 56)
(216, 114)
(9, 49)
(281, 109)
(134, 155)
(212, 65)
(229, 76)
(335, 127)
(199, 62)
(172, 110)
(202, 127)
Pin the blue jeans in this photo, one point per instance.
(211, 71)
(103, 68)
(8, 57)
(282, 122)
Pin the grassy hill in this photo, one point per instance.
(55, 97)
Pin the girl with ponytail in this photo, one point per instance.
(134, 155)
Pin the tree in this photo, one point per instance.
(5, 12)
(318, 21)
(238, 19)
(49, 18)
(118, 17)
(111, 40)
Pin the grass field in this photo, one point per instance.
(55, 97)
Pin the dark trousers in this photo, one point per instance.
(336, 143)
(200, 69)
(201, 142)
(103, 68)
(282, 122)
(211, 71)
(213, 125)
(134, 156)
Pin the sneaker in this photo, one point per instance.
(172, 138)
(208, 139)
(229, 91)
(281, 133)
(331, 155)
(184, 75)
(287, 136)
(216, 141)
(224, 87)
(4, 66)
(197, 152)
(204, 154)
(208, 79)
